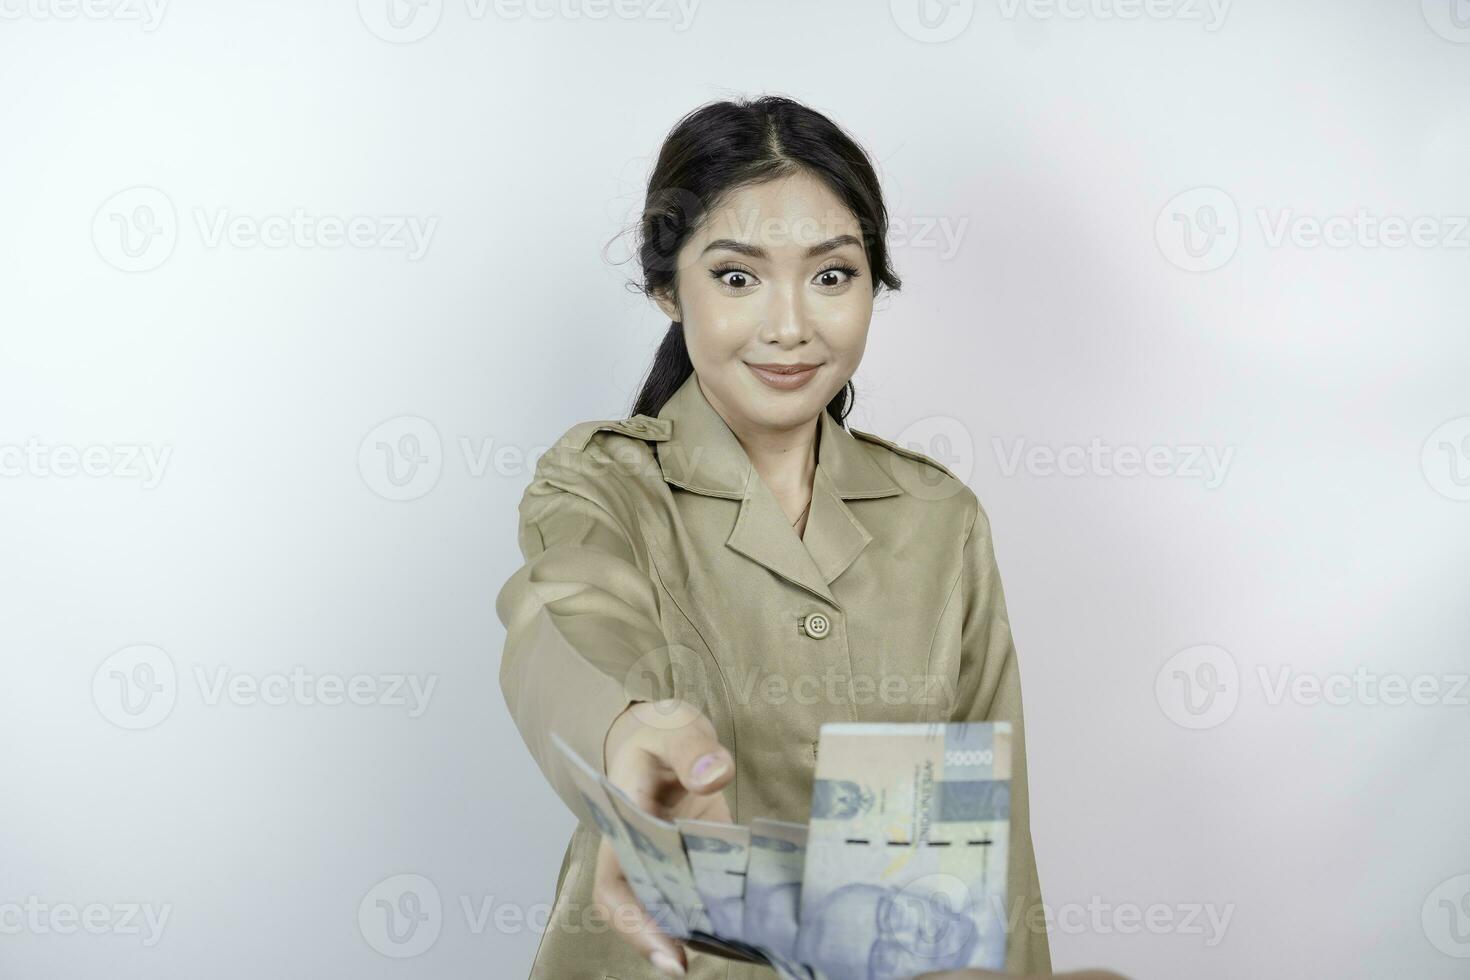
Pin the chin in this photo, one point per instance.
(791, 415)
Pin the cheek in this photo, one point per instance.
(716, 327)
(715, 338)
(847, 338)
(845, 317)
(699, 296)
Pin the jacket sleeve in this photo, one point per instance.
(990, 690)
(581, 615)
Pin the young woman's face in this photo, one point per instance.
(776, 276)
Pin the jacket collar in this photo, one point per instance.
(702, 455)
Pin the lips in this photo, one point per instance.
(785, 368)
(784, 377)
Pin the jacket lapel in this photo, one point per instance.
(702, 455)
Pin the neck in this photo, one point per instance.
(786, 459)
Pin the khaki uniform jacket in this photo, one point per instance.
(659, 564)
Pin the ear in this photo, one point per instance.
(669, 305)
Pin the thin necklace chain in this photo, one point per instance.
(802, 514)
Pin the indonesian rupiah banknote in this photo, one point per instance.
(590, 786)
(900, 871)
(906, 850)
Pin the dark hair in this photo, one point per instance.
(717, 149)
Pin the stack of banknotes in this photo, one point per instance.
(901, 869)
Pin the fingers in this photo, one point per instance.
(987, 975)
(680, 737)
(610, 890)
(704, 765)
(713, 808)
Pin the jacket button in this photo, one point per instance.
(815, 625)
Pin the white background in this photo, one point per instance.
(1051, 145)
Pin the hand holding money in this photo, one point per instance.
(666, 760)
(901, 870)
(988, 975)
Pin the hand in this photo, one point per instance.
(987, 975)
(666, 757)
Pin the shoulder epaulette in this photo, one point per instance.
(904, 451)
(647, 427)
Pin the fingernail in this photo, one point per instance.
(666, 964)
(709, 768)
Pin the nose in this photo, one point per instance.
(785, 320)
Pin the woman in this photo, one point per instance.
(709, 581)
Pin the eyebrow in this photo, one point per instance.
(756, 252)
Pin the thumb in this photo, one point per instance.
(703, 765)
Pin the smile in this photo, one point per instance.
(784, 377)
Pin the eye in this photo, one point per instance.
(740, 279)
(843, 272)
